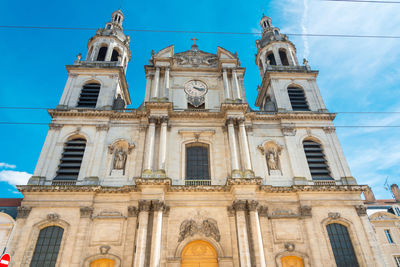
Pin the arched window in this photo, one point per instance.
(71, 159)
(89, 94)
(297, 99)
(101, 56)
(341, 245)
(114, 55)
(283, 56)
(47, 247)
(316, 161)
(197, 162)
(271, 58)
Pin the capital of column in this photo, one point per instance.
(153, 119)
(23, 212)
(102, 127)
(241, 120)
(164, 119)
(253, 204)
(144, 205)
(240, 205)
(132, 211)
(86, 212)
(158, 205)
(53, 126)
(263, 211)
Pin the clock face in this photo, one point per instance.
(195, 88)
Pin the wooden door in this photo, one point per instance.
(292, 261)
(102, 263)
(199, 253)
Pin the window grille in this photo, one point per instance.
(341, 245)
(316, 161)
(389, 236)
(397, 260)
(298, 99)
(89, 94)
(71, 160)
(101, 56)
(283, 56)
(47, 247)
(271, 59)
(197, 162)
(397, 211)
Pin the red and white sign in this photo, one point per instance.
(5, 260)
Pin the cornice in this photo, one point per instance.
(313, 188)
(126, 114)
(76, 188)
(254, 115)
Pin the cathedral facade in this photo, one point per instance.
(194, 176)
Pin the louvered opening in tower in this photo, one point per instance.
(298, 99)
(316, 161)
(89, 94)
(71, 160)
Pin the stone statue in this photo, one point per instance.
(119, 159)
(272, 160)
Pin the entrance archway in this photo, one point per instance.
(102, 263)
(199, 253)
(292, 261)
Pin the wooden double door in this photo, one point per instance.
(199, 253)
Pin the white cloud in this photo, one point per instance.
(14, 177)
(7, 166)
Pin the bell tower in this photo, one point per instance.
(286, 85)
(99, 82)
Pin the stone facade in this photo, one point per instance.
(132, 202)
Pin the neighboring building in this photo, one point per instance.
(193, 177)
(8, 214)
(384, 214)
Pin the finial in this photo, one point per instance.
(194, 39)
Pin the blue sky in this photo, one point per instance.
(355, 74)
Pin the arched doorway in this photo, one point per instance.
(292, 261)
(102, 263)
(199, 253)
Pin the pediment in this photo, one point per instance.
(222, 53)
(195, 58)
(383, 216)
(167, 52)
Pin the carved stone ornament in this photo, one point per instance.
(361, 210)
(102, 127)
(288, 130)
(132, 211)
(53, 217)
(144, 205)
(334, 215)
(240, 205)
(253, 204)
(329, 129)
(86, 212)
(195, 57)
(208, 228)
(104, 249)
(231, 211)
(290, 247)
(305, 211)
(263, 211)
(53, 126)
(23, 212)
(119, 161)
(158, 205)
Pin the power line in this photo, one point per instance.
(364, 1)
(204, 32)
(337, 112)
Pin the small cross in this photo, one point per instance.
(194, 40)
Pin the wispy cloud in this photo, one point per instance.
(7, 166)
(304, 29)
(13, 177)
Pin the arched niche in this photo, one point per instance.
(272, 151)
(119, 152)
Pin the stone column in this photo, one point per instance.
(158, 209)
(245, 144)
(236, 86)
(109, 52)
(81, 235)
(166, 83)
(156, 81)
(234, 240)
(148, 88)
(240, 207)
(101, 132)
(256, 232)
(226, 84)
(163, 143)
(277, 57)
(149, 155)
(141, 236)
(130, 236)
(232, 144)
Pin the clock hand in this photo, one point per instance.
(198, 88)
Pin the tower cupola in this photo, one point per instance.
(266, 23)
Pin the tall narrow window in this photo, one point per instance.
(71, 159)
(297, 99)
(283, 56)
(89, 94)
(271, 58)
(47, 247)
(341, 245)
(316, 161)
(114, 55)
(197, 162)
(101, 56)
(389, 236)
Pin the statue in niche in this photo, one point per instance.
(272, 160)
(119, 159)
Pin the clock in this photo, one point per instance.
(196, 88)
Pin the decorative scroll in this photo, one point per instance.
(208, 228)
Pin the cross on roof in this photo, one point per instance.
(194, 39)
